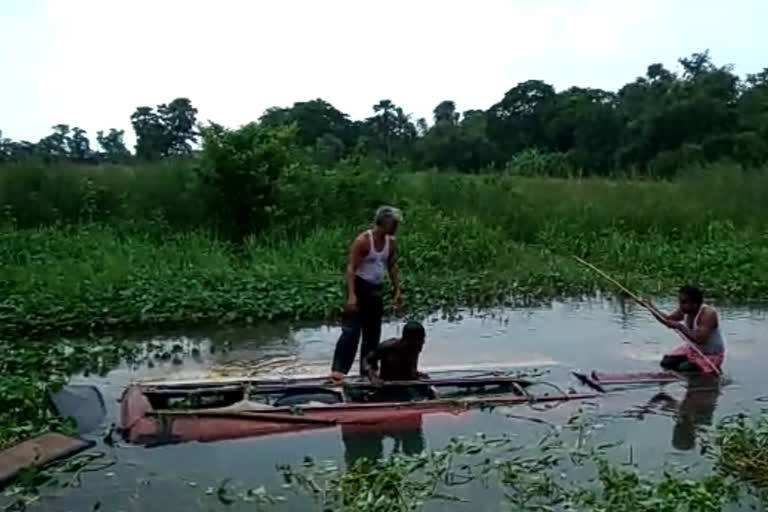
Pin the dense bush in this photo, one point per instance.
(532, 162)
(242, 168)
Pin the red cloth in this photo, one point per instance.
(703, 361)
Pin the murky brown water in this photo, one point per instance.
(558, 339)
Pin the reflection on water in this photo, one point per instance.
(563, 336)
(368, 442)
(696, 409)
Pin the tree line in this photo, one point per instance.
(658, 123)
(169, 129)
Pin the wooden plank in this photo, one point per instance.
(186, 391)
(319, 379)
(279, 387)
(247, 415)
(596, 380)
(372, 406)
(456, 382)
(38, 451)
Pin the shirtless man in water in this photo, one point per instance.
(697, 322)
(397, 359)
(373, 253)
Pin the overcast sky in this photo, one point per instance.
(91, 62)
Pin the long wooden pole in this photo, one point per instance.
(658, 315)
(247, 415)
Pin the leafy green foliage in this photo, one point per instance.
(626, 491)
(314, 120)
(167, 131)
(532, 162)
(451, 143)
(26, 490)
(144, 250)
(242, 167)
(741, 446)
(113, 145)
(389, 132)
(657, 125)
(519, 120)
(399, 483)
(66, 145)
(531, 478)
(28, 371)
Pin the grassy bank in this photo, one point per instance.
(467, 240)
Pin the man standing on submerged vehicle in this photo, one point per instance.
(699, 323)
(372, 253)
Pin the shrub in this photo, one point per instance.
(242, 168)
(668, 163)
(532, 162)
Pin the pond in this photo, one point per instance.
(554, 339)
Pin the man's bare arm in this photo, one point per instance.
(665, 318)
(392, 267)
(371, 361)
(701, 334)
(372, 364)
(675, 316)
(357, 252)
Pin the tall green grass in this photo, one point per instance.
(35, 195)
(146, 252)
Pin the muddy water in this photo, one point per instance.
(554, 339)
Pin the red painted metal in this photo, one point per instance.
(141, 424)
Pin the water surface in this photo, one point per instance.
(558, 338)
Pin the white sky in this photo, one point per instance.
(92, 62)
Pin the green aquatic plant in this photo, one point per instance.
(32, 481)
(740, 446)
(31, 371)
(401, 482)
(467, 241)
(101, 277)
(538, 477)
(623, 490)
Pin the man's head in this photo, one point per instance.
(414, 335)
(387, 219)
(691, 298)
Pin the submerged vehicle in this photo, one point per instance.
(160, 412)
(598, 380)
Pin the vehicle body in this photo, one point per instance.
(163, 412)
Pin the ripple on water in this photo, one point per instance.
(606, 335)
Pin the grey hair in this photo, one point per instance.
(385, 213)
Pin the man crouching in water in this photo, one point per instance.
(700, 324)
(398, 360)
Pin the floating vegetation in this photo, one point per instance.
(30, 371)
(741, 448)
(528, 478)
(32, 481)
